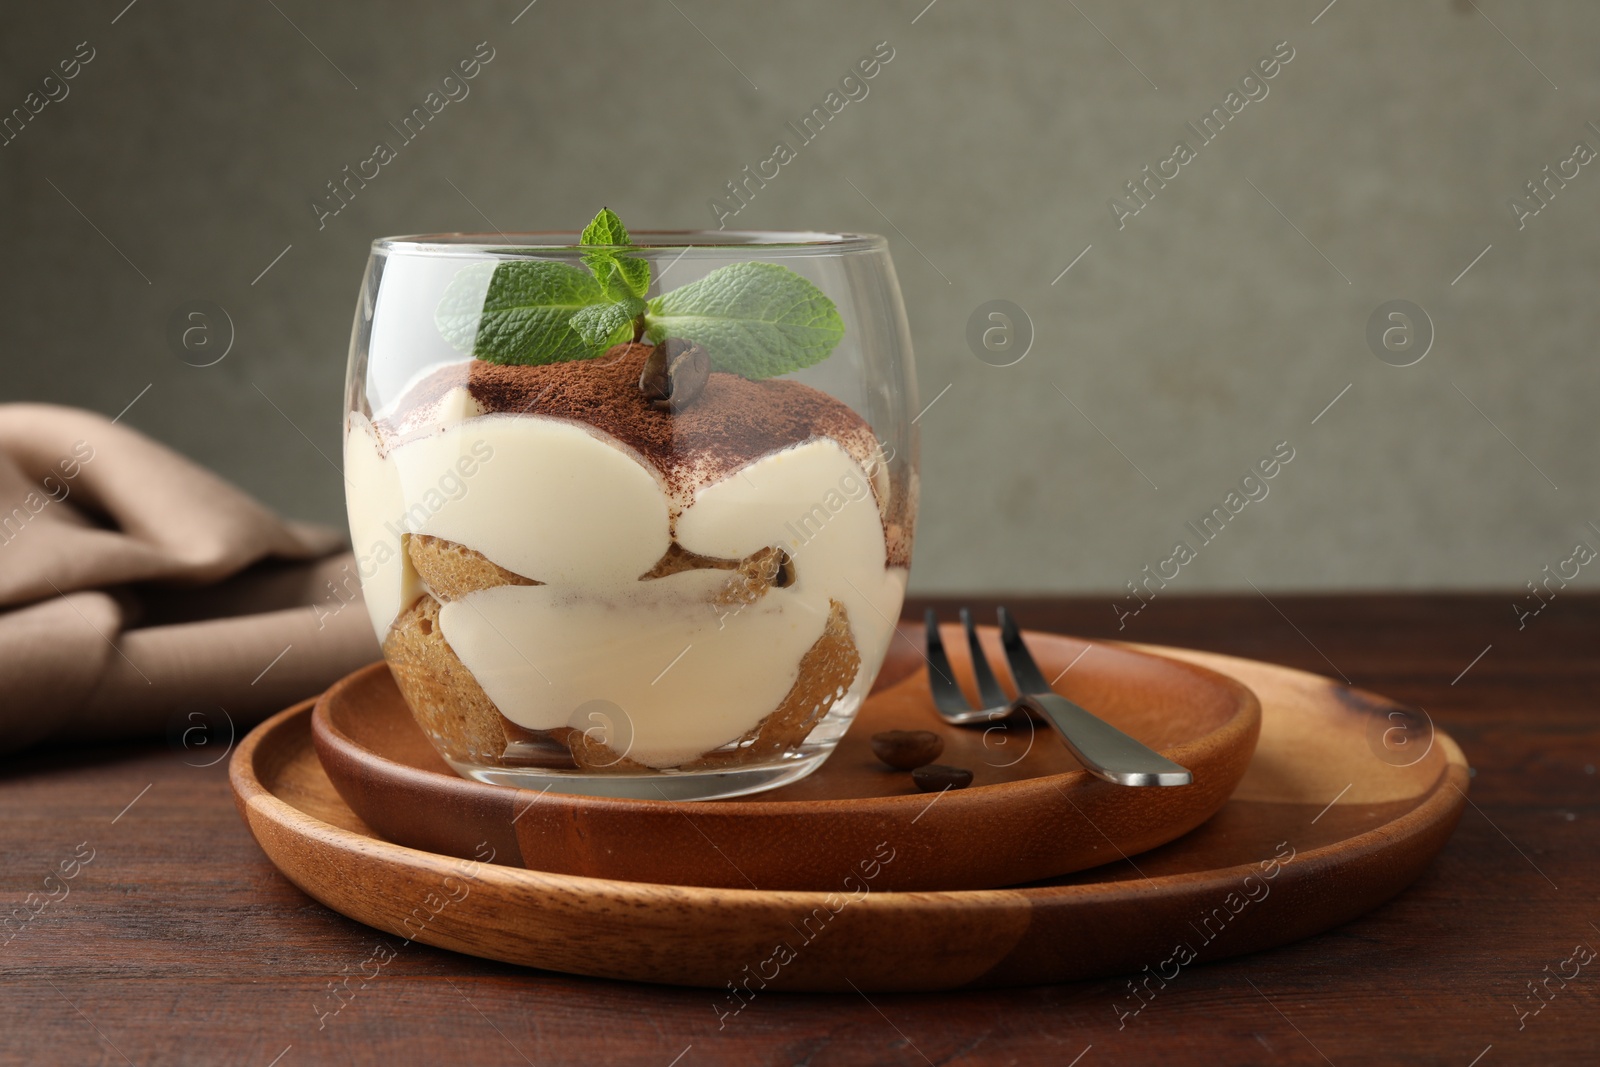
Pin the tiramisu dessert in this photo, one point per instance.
(618, 554)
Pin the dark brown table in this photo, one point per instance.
(179, 943)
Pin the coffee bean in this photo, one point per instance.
(906, 750)
(937, 777)
(674, 374)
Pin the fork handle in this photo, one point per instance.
(1105, 751)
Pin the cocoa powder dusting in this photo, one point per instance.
(733, 422)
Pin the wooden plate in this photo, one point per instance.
(1326, 824)
(1031, 812)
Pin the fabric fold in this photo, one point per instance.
(137, 586)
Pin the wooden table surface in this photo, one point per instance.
(177, 942)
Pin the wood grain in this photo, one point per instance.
(180, 943)
(1265, 856)
(1032, 812)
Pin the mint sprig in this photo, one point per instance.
(622, 276)
(755, 319)
(598, 323)
(526, 312)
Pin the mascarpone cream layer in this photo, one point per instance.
(652, 668)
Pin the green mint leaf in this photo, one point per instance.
(605, 229)
(634, 273)
(607, 324)
(519, 311)
(462, 305)
(754, 319)
(621, 276)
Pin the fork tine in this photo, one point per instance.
(947, 695)
(990, 695)
(1024, 671)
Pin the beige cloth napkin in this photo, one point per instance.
(141, 594)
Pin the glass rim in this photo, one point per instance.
(684, 242)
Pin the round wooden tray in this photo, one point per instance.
(1327, 823)
(1031, 812)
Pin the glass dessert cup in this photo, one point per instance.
(663, 563)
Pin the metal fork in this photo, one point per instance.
(1105, 751)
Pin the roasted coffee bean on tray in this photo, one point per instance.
(906, 750)
(937, 777)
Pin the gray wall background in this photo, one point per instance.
(1219, 321)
